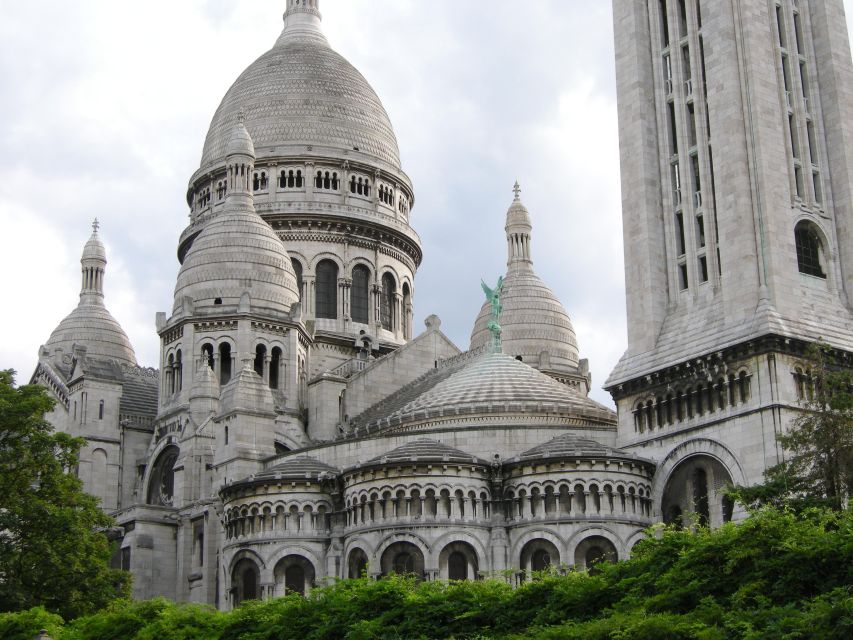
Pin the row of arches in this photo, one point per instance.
(691, 402)
(565, 500)
(268, 363)
(292, 574)
(296, 519)
(417, 504)
(173, 373)
(329, 290)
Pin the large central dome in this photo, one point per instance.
(302, 93)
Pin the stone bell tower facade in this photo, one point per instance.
(736, 141)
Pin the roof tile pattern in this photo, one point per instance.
(301, 92)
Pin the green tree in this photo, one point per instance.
(818, 465)
(53, 550)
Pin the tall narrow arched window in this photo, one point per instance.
(386, 305)
(275, 365)
(297, 269)
(207, 355)
(809, 250)
(224, 363)
(407, 308)
(260, 356)
(359, 305)
(327, 289)
(101, 410)
(179, 371)
(170, 373)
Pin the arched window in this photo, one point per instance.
(402, 558)
(327, 289)
(359, 304)
(224, 363)
(275, 365)
(700, 496)
(809, 250)
(357, 563)
(457, 566)
(161, 484)
(297, 269)
(386, 306)
(407, 308)
(170, 369)
(260, 356)
(245, 582)
(207, 355)
(101, 410)
(179, 371)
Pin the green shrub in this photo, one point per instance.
(26, 625)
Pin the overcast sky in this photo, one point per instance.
(105, 106)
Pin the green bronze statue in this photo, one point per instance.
(493, 297)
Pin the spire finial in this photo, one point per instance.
(95, 225)
(517, 191)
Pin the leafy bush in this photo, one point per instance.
(26, 625)
(775, 575)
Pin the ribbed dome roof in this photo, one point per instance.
(300, 467)
(533, 320)
(94, 248)
(92, 326)
(237, 253)
(425, 450)
(570, 446)
(302, 93)
(497, 383)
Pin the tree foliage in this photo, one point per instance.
(817, 469)
(775, 575)
(53, 552)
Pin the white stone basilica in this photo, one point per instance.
(298, 431)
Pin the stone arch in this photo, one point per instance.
(245, 577)
(594, 549)
(458, 560)
(692, 494)
(458, 536)
(539, 554)
(403, 557)
(160, 484)
(693, 447)
(294, 573)
(357, 562)
(586, 532)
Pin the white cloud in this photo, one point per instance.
(106, 105)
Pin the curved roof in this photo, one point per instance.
(492, 383)
(570, 446)
(303, 93)
(425, 450)
(92, 326)
(297, 468)
(533, 320)
(235, 250)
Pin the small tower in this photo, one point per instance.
(93, 262)
(518, 230)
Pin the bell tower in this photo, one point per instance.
(735, 130)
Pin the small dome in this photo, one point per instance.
(240, 142)
(237, 255)
(302, 93)
(493, 384)
(94, 248)
(570, 446)
(425, 450)
(93, 327)
(298, 468)
(533, 320)
(534, 324)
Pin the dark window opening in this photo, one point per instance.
(327, 289)
(808, 251)
(224, 363)
(359, 304)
